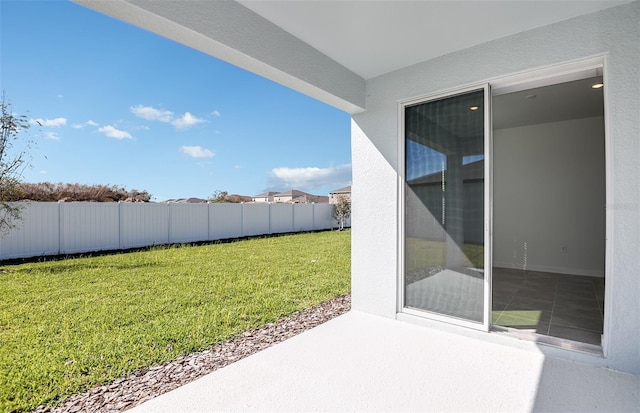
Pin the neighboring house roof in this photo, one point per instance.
(471, 171)
(309, 199)
(295, 196)
(345, 190)
(292, 193)
(186, 200)
(265, 195)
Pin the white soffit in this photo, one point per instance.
(231, 32)
(327, 49)
(371, 38)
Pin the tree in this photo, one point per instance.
(49, 192)
(12, 165)
(342, 210)
(219, 196)
(224, 197)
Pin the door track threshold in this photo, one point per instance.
(558, 342)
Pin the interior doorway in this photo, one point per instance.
(549, 210)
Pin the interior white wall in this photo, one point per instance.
(614, 33)
(548, 192)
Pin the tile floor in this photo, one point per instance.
(557, 305)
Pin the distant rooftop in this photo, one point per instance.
(265, 194)
(192, 200)
(346, 189)
(292, 193)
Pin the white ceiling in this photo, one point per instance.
(552, 103)
(327, 49)
(357, 34)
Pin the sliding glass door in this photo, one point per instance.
(446, 269)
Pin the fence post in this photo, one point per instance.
(120, 224)
(60, 227)
(168, 223)
(241, 219)
(269, 203)
(208, 220)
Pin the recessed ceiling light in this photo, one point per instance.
(531, 96)
(474, 108)
(597, 86)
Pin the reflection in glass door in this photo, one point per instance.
(444, 201)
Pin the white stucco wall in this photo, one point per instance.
(615, 33)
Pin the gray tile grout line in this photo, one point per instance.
(505, 307)
(578, 328)
(598, 303)
(549, 325)
(553, 306)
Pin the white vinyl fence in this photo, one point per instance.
(52, 228)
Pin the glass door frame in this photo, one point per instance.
(488, 207)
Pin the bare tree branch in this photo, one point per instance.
(12, 164)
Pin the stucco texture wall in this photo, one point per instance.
(614, 33)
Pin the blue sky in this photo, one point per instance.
(121, 106)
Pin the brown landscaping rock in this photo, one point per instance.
(147, 383)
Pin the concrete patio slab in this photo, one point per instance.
(361, 362)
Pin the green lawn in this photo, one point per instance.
(68, 325)
(422, 253)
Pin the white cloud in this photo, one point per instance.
(52, 136)
(60, 96)
(310, 177)
(186, 121)
(216, 113)
(82, 125)
(151, 113)
(197, 152)
(51, 123)
(166, 116)
(112, 132)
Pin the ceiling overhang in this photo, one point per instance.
(372, 38)
(231, 32)
(328, 49)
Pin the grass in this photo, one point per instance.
(68, 325)
(422, 253)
